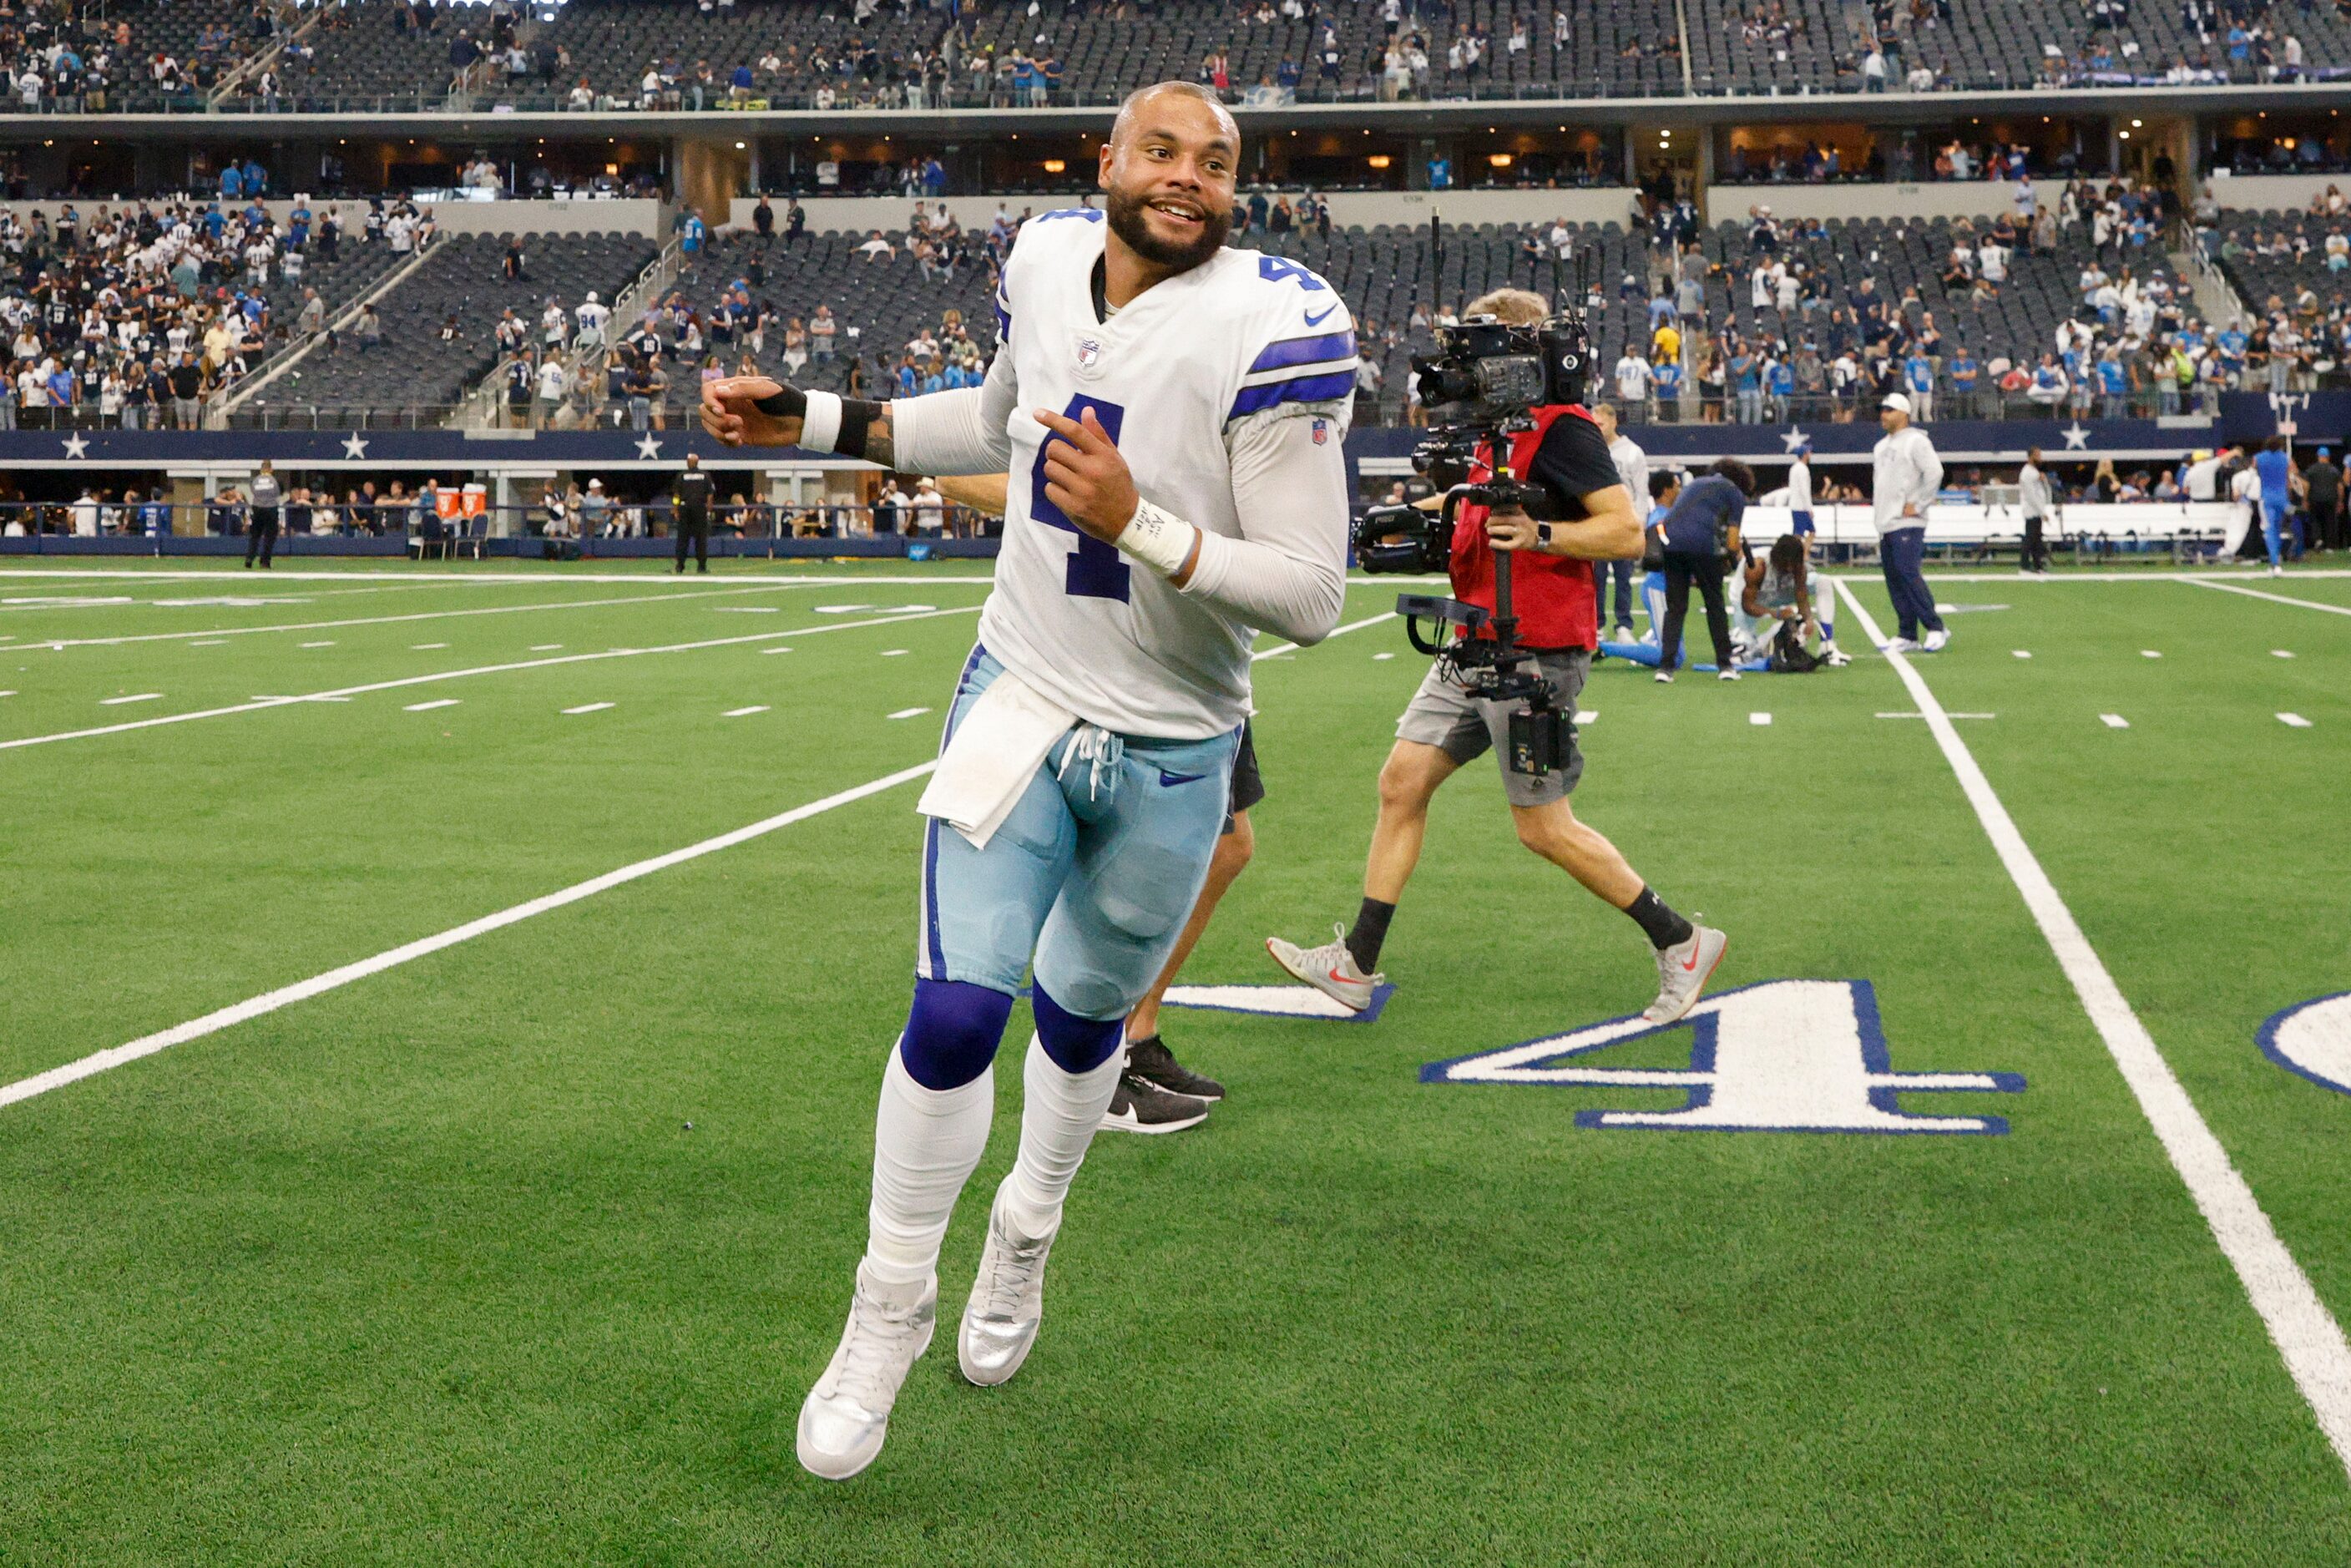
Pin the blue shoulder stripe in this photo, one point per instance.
(1298, 389)
(1091, 215)
(1291, 351)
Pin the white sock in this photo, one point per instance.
(1059, 1119)
(926, 1143)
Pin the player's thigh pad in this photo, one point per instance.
(982, 909)
(1138, 870)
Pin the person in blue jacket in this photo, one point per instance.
(2274, 465)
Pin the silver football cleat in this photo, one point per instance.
(1329, 969)
(1008, 1303)
(1683, 970)
(847, 1414)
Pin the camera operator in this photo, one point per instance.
(1564, 456)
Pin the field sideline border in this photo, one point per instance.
(2307, 1334)
(501, 578)
(339, 692)
(332, 979)
(63, 642)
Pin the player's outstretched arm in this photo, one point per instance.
(759, 411)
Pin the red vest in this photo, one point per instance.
(1553, 594)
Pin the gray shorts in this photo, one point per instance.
(1444, 715)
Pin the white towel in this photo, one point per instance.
(997, 748)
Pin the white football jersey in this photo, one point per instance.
(1169, 376)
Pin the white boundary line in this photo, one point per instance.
(301, 990)
(2273, 597)
(61, 643)
(2306, 1333)
(342, 692)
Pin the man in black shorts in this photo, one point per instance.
(1157, 1094)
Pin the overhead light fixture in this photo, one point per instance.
(1499, 159)
(1379, 160)
(1056, 166)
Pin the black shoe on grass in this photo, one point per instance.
(1139, 1105)
(1149, 1060)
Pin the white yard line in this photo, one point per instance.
(908, 713)
(1758, 718)
(135, 697)
(2294, 721)
(2114, 721)
(462, 674)
(396, 619)
(429, 706)
(2306, 1333)
(586, 707)
(1280, 648)
(302, 990)
(2273, 597)
(744, 712)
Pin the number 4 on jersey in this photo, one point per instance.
(1787, 1056)
(1095, 570)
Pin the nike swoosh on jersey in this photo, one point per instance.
(1169, 780)
(1312, 320)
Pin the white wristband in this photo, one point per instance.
(821, 425)
(1160, 540)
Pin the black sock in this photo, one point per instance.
(1665, 927)
(1371, 930)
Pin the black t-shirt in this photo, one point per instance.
(187, 380)
(693, 492)
(1572, 463)
(2325, 482)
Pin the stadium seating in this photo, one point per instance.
(365, 59)
(462, 279)
(612, 42)
(2258, 279)
(886, 302)
(1815, 46)
(178, 28)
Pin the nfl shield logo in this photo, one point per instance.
(1322, 431)
(1089, 353)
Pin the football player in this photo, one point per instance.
(1171, 412)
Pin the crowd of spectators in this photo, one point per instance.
(2129, 343)
(138, 317)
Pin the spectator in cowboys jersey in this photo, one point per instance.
(1097, 720)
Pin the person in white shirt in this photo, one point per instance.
(1633, 377)
(1192, 495)
(1799, 497)
(1633, 467)
(592, 317)
(2034, 499)
(1906, 474)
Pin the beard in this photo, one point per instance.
(1127, 220)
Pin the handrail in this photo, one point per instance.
(243, 392)
(268, 55)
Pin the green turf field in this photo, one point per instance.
(429, 1267)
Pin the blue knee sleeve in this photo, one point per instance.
(952, 1033)
(1075, 1044)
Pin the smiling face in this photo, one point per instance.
(1167, 173)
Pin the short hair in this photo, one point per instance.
(2274, 444)
(1519, 307)
(1663, 480)
(1739, 474)
(1191, 90)
(1787, 552)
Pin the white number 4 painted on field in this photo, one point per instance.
(1785, 1056)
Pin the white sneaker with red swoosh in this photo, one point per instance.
(1683, 970)
(1329, 969)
